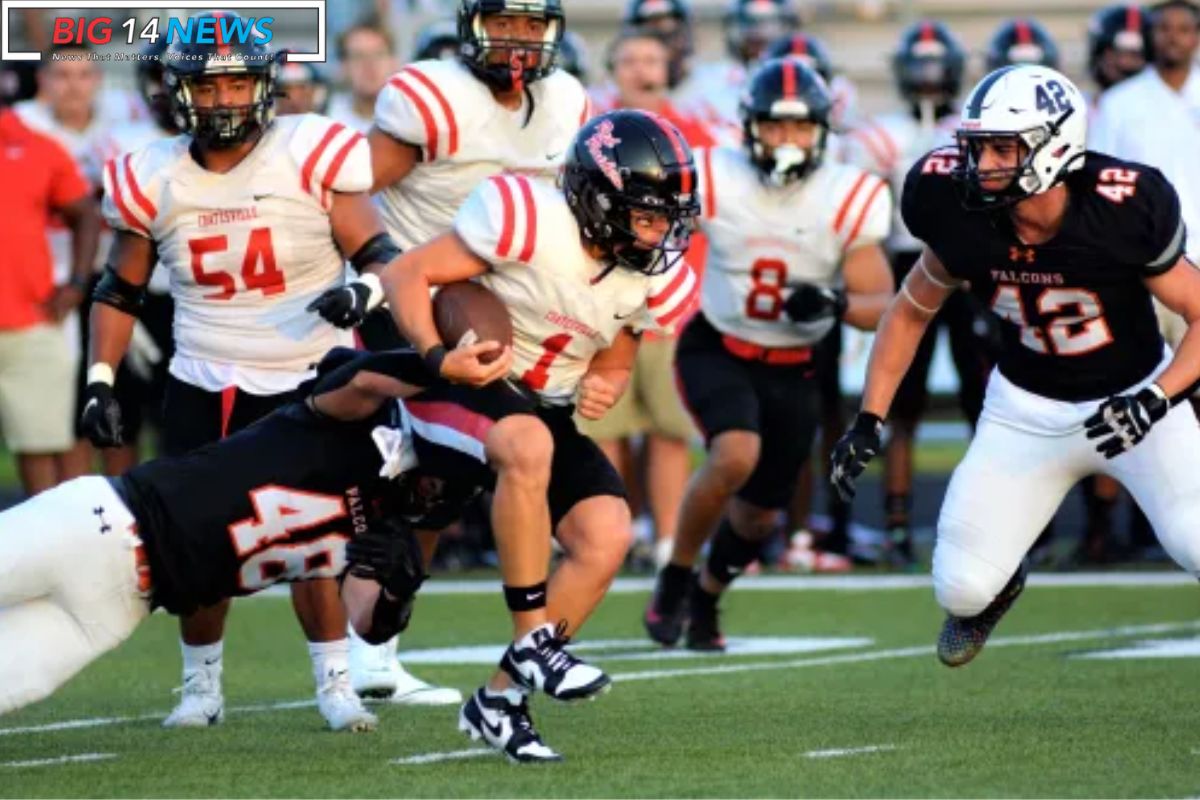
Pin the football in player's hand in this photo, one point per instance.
(467, 312)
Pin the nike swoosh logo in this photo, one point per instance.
(624, 316)
(553, 156)
(534, 596)
(495, 729)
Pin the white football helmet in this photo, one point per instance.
(1043, 110)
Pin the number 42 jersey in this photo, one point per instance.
(1077, 318)
(246, 250)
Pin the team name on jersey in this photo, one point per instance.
(574, 325)
(1038, 278)
(226, 215)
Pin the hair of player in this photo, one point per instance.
(630, 33)
(369, 24)
(1157, 9)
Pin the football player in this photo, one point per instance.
(1021, 41)
(440, 128)
(302, 87)
(1067, 247)
(437, 40)
(1118, 45)
(928, 67)
(580, 269)
(82, 565)
(253, 217)
(813, 52)
(794, 249)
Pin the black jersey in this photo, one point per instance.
(274, 502)
(1077, 319)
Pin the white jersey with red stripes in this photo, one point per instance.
(563, 311)
(888, 146)
(765, 240)
(246, 250)
(465, 136)
(128, 138)
(711, 92)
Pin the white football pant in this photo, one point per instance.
(1027, 453)
(68, 586)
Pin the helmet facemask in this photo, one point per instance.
(787, 163)
(1028, 177)
(221, 127)
(606, 222)
(524, 60)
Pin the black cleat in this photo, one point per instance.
(962, 638)
(502, 722)
(667, 609)
(703, 628)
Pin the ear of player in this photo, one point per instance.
(1123, 421)
(853, 452)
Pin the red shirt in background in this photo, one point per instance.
(39, 177)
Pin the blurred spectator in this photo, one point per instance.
(638, 63)
(367, 53)
(37, 368)
(671, 20)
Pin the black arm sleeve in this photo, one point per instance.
(341, 364)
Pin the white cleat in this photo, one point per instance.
(373, 668)
(412, 691)
(341, 707)
(202, 704)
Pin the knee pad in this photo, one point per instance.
(730, 553)
(964, 584)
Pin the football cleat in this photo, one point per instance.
(202, 704)
(540, 661)
(412, 691)
(501, 720)
(341, 707)
(372, 668)
(962, 638)
(703, 628)
(666, 611)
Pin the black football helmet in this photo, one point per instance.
(572, 56)
(515, 71)
(149, 74)
(750, 25)
(669, 19)
(928, 66)
(436, 41)
(220, 126)
(625, 160)
(294, 73)
(1123, 29)
(785, 88)
(1021, 41)
(805, 47)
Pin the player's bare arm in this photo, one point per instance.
(407, 282)
(1179, 290)
(607, 376)
(869, 286)
(391, 159)
(82, 218)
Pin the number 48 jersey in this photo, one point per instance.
(1077, 319)
(565, 305)
(246, 250)
(764, 241)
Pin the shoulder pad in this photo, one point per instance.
(430, 104)
(864, 206)
(877, 144)
(723, 171)
(1138, 201)
(562, 93)
(929, 192)
(670, 298)
(132, 183)
(499, 221)
(331, 156)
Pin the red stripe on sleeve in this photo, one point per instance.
(506, 233)
(126, 214)
(893, 150)
(687, 304)
(862, 215)
(845, 209)
(310, 163)
(881, 160)
(336, 165)
(143, 202)
(530, 220)
(710, 186)
(431, 132)
(442, 103)
(661, 297)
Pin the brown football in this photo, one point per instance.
(467, 312)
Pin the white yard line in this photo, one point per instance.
(49, 762)
(850, 751)
(450, 755)
(712, 669)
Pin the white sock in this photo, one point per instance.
(662, 552)
(203, 656)
(513, 694)
(328, 659)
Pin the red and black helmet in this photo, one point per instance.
(803, 47)
(928, 66)
(1022, 41)
(476, 48)
(628, 160)
(1122, 28)
(781, 89)
(750, 25)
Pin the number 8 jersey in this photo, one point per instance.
(764, 241)
(246, 250)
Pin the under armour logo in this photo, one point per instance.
(1017, 253)
(104, 526)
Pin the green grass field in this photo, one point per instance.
(1027, 719)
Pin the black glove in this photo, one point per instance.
(389, 554)
(101, 418)
(347, 306)
(809, 303)
(1124, 420)
(853, 452)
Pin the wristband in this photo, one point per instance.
(434, 357)
(101, 373)
(374, 290)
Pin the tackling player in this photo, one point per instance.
(252, 216)
(580, 269)
(1067, 247)
(794, 249)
